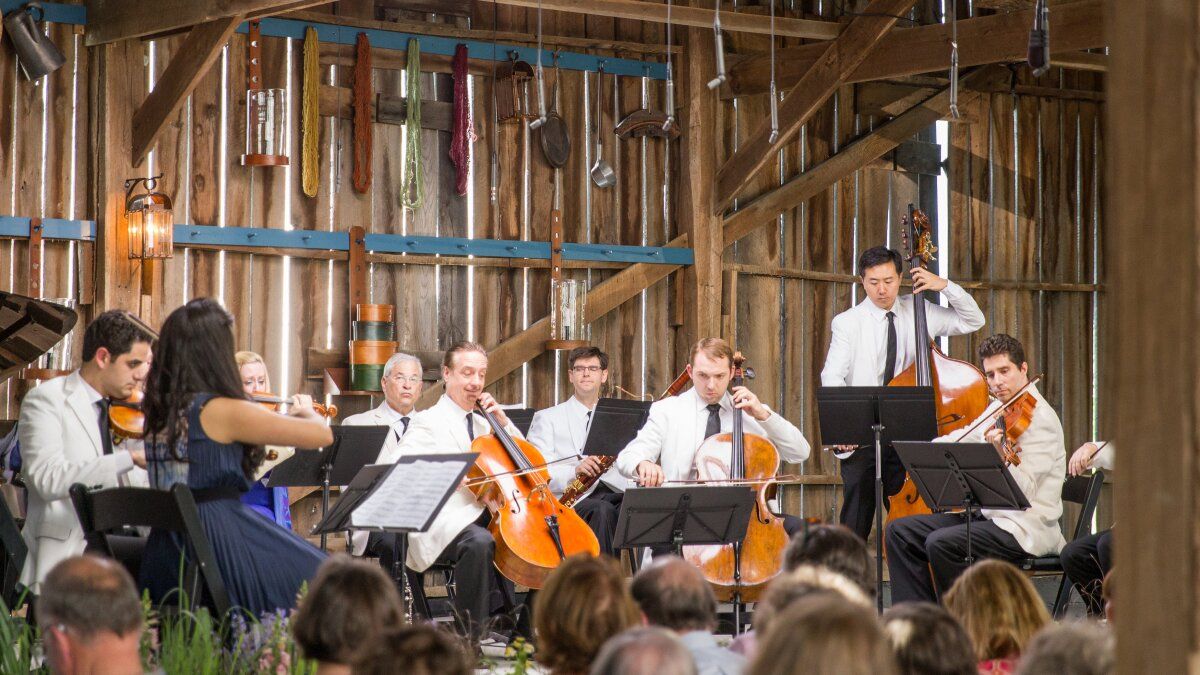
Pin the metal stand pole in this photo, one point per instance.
(878, 429)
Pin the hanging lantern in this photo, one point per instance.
(568, 298)
(150, 220)
(266, 111)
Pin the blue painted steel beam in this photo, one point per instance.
(52, 228)
(261, 237)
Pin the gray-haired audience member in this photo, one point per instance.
(1076, 648)
(649, 650)
(90, 617)
(927, 640)
(673, 594)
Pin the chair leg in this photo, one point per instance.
(1061, 599)
(416, 583)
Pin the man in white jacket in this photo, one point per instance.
(939, 541)
(65, 439)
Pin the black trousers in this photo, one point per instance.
(858, 486)
(599, 510)
(1085, 561)
(939, 541)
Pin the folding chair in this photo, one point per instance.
(1083, 490)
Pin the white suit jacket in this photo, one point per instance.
(1106, 459)
(675, 430)
(1040, 476)
(858, 347)
(379, 416)
(60, 446)
(560, 431)
(442, 429)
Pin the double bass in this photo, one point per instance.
(534, 532)
(740, 571)
(960, 390)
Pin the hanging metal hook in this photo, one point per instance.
(719, 45)
(774, 92)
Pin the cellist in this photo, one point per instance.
(665, 447)
(872, 342)
(916, 544)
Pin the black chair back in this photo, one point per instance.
(1085, 491)
(102, 511)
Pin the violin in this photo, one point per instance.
(740, 571)
(1013, 418)
(273, 403)
(126, 419)
(534, 532)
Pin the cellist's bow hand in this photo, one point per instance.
(924, 280)
(490, 405)
(1081, 459)
(744, 399)
(649, 474)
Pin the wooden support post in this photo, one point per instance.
(35, 257)
(840, 58)
(356, 267)
(1150, 361)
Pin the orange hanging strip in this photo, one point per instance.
(363, 96)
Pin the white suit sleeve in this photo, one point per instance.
(1106, 458)
(647, 446)
(1038, 454)
(541, 435)
(46, 468)
(837, 362)
(961, 317)
(792, 445)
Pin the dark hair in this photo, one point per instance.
(674, 594)
(351, 602)
(834, 547)
(927, 640)
(824, 634)
(1001, 343)
(1075, 648)
(195, 356)
(583, 603)
(114, 331)
(416, 649)
(587, 353)
(645, 650)
(879, 255)
(89, 595)
(464, 346)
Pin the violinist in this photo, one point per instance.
(939, 541)
(65, 439)
(271, 503)
(1088, 559)
(665, 448)
(458, 535)
(872, 342)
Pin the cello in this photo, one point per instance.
(959, 388)
(740, 571)
(534, 532)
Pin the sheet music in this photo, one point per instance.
(408, 496)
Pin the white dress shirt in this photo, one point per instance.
(383, 415)
(1040, 476)
(560, 431)
(675, 430)
(858, 347)
(442, 430)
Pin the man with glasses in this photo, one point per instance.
(560, 432)
(402, 385)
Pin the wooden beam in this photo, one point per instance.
(190, 64)
(851, 158)
(838, 59)
(695, 17)
(997, 38)
(113, 20)
(338, 102)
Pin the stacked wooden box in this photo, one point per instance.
(372, 343)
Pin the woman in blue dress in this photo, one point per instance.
(202, 430)
(270, 502)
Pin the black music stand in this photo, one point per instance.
(353, 448)
(864, 416)
(968, 476)
(410, 499)
(615, 422)
(522, 418)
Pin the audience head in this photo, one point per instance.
(710, 366)
(587, 369)
(823, 633)
(253, 370)
(401, 382)
(1109, 609)
(647, 650)
(464, 369)
(116, 353)
(834, 547)
(418, 649)
(90, 617)
(928, 641)
(999, 608)
(674, 594)
(805, 580)
(583, 604)
(1077, 648)
(349, 605)
(879, 269)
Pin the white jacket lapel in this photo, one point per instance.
(84, 410)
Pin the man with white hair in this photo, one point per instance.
(402, 385)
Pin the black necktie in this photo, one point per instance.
(404, 430)
(588, 424)
(714, 420)
(470, 427)
(105, 434)
(889, 365)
